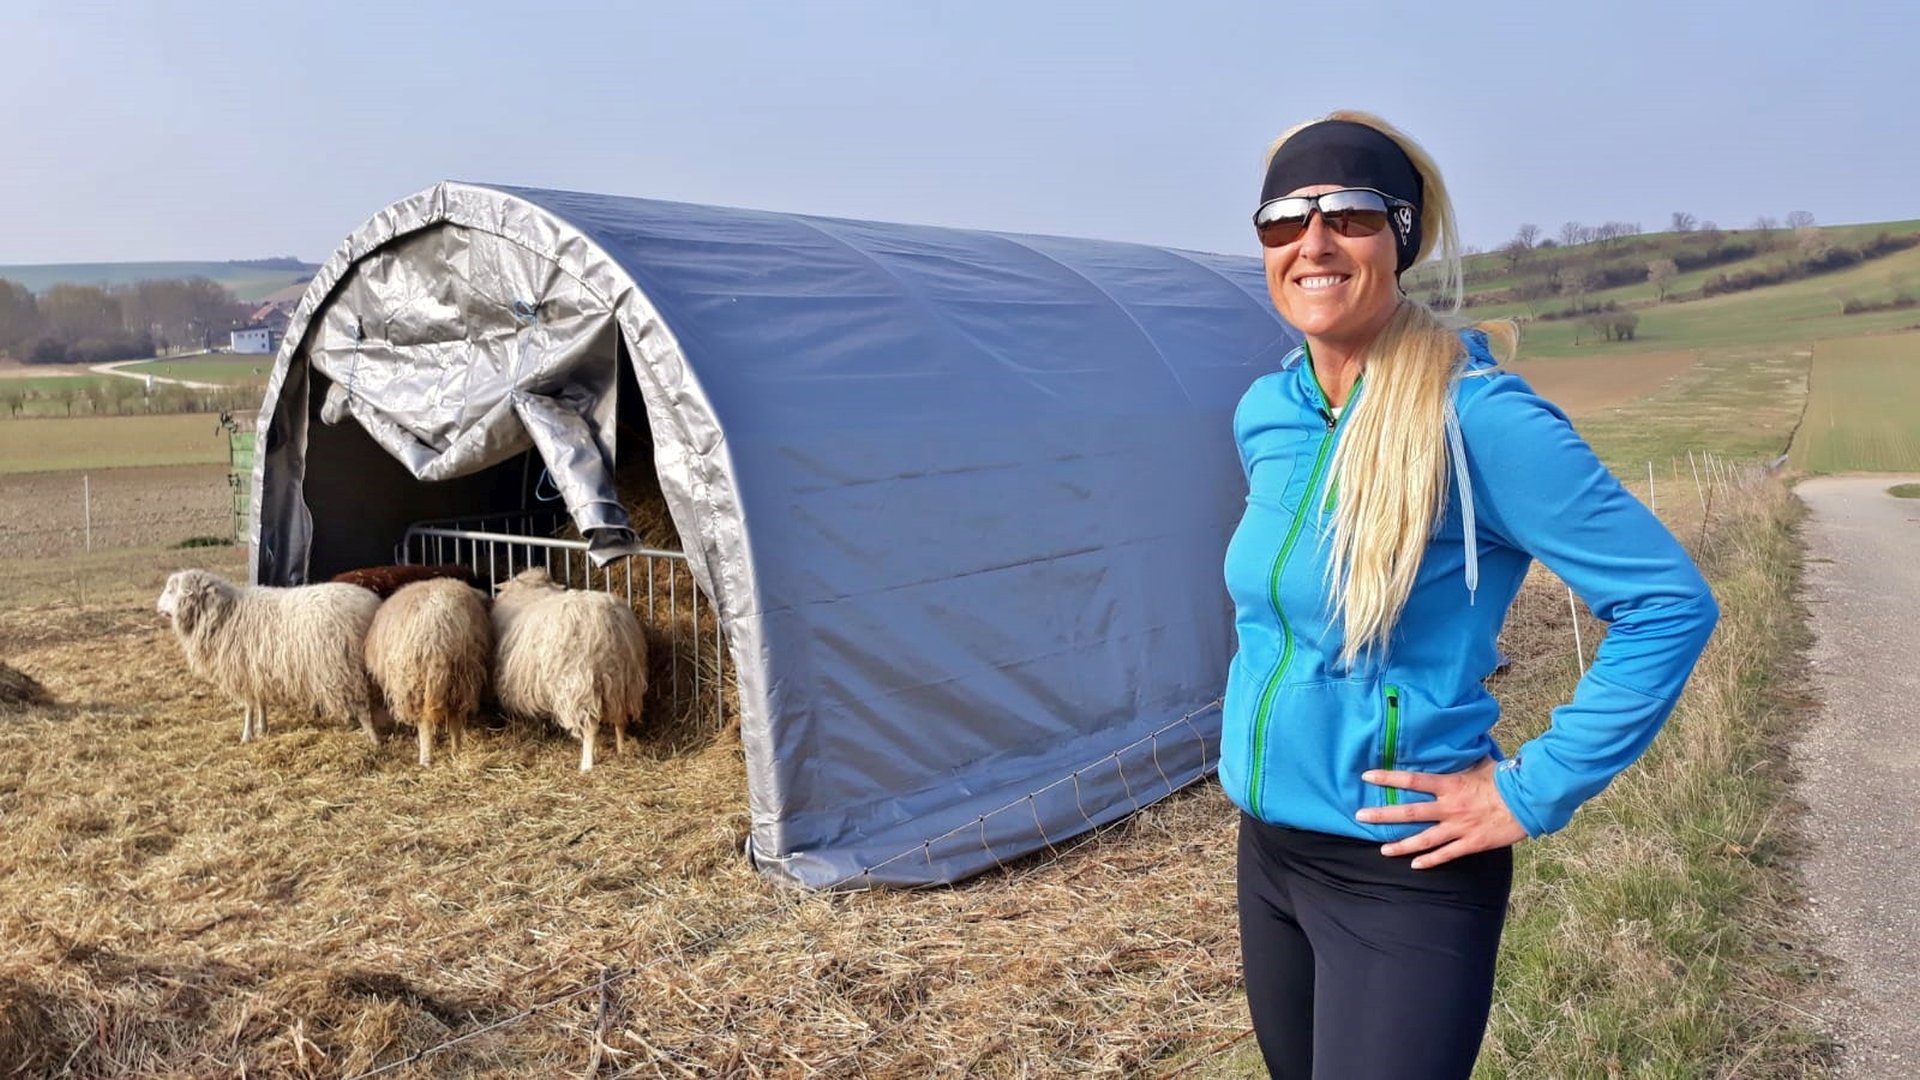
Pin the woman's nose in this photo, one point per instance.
(1318, 239)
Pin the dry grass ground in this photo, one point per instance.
(181, 905)
(177, 904)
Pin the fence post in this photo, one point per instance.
(1697, 489)
(1653, 501)
(86, 507)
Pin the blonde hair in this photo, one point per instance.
(1388, 480)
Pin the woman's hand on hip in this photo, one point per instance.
(1467, 812)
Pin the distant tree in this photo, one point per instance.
(19, 317)
(1811, 245)
(48, 351)
(119, 394)
(1611, 325)
(1617, 230)
(1660, 275)
(1800, 219)
(1765, 224)
(1514, 252)
(1528, 235)
(14, 398)
(1573, 233)
(1683, 221)
(72, 312)
(1575, 283)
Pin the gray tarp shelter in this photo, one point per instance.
(960, 498)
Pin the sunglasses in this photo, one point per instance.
(1348, 211)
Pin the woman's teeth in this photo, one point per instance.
(1323, 281)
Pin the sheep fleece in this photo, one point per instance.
(429, 650)
(299, 646)
(578, 658)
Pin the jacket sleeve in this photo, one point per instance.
(1539, 488)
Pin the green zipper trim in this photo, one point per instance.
(1390, 750)
(1263, 713)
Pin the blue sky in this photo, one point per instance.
(215, 130)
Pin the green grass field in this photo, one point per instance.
(103, 442)
(1862, 404)
(1799, 311)
(224, 368)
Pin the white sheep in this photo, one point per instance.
(430, 650)
(299, 646)
(576, 658)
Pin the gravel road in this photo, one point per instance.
(1858, 762)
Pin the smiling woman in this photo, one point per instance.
(1395, 475)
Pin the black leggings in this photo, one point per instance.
(1360, 967)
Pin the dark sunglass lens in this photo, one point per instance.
(1281, 233)
(1356, 222)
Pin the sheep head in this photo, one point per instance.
(189, 596)
(531, 580)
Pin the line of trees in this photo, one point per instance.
(111, 396)
(72, 323)
(1554, 275)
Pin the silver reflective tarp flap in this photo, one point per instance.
(457, 350)
(960, 498)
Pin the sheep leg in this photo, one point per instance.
(246, 721)
(619, 736)
(425, 728)
(589, 731)
(373, 716)
(456, 732)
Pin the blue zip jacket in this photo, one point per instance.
(1299, 727)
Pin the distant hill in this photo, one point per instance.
(1497, 281)
(250, 279)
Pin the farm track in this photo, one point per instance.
(1857, 760)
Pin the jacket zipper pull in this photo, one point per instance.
(1327, 416)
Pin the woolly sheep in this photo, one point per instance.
(386, 580)
(576, 658)
(430, 650)
(299, 646)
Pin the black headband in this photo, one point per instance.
(1351, 155)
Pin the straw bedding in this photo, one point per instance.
(19, 689)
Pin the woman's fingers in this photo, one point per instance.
(1447, 854)
(1422, 840)
(1467, 811)
(1431, 783)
